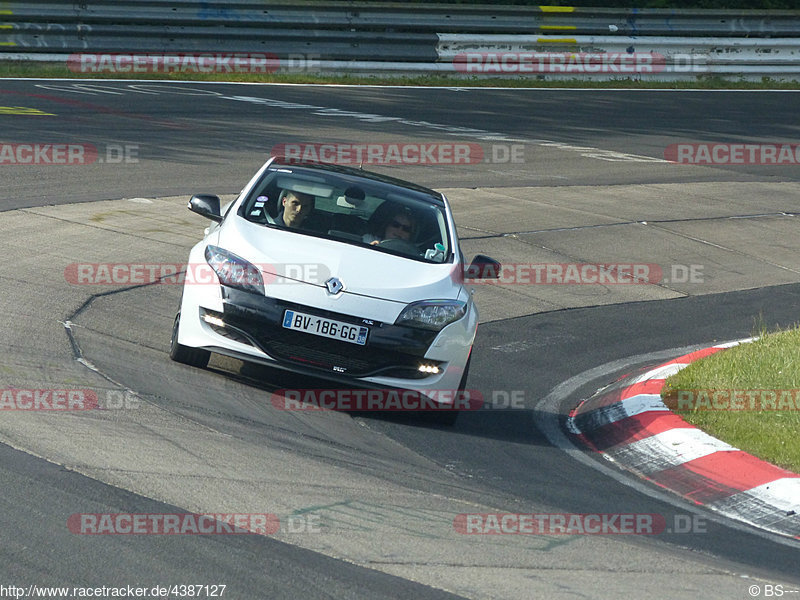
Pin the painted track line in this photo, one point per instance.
(628, 424)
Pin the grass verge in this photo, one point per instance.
(60, 71)
(747, 396)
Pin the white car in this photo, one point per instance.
(334, 272)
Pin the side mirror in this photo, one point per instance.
(206, 205)
(483, 267)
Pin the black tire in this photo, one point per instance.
(446, 418)
(194, 357)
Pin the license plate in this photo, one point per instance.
(335, 330)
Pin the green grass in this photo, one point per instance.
(772, 362)
(60, 71)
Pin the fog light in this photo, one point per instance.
(430, 369)
(212, 320)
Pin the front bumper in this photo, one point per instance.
(390, 351)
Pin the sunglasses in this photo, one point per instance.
(399, 225)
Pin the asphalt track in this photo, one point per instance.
(387, 488)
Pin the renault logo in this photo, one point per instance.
(334, 285)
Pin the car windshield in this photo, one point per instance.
(370, 211)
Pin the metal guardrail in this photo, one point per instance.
(673, 57)
(401, 17)
(366, 37)
(280, 42)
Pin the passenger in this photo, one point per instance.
(397, 224)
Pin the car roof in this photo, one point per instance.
(356, 174)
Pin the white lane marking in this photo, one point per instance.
(607, 155)
(467, 132)
(736, 343)
(661, 372)
(534, 90)
(675, 447)
(642, 403)
(619, 411)
(548, 421)
(80, 88)
(783, 494)
(772, 506)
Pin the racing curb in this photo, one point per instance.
(629, 424)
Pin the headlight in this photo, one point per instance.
(432, 314)
(234, 271)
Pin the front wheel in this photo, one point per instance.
(446, 418)
(194, 357)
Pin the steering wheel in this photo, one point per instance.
(397, 245)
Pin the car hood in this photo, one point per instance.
(291, 262)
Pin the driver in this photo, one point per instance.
(399, 224)
(296, 208)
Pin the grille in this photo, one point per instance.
(327, 354)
